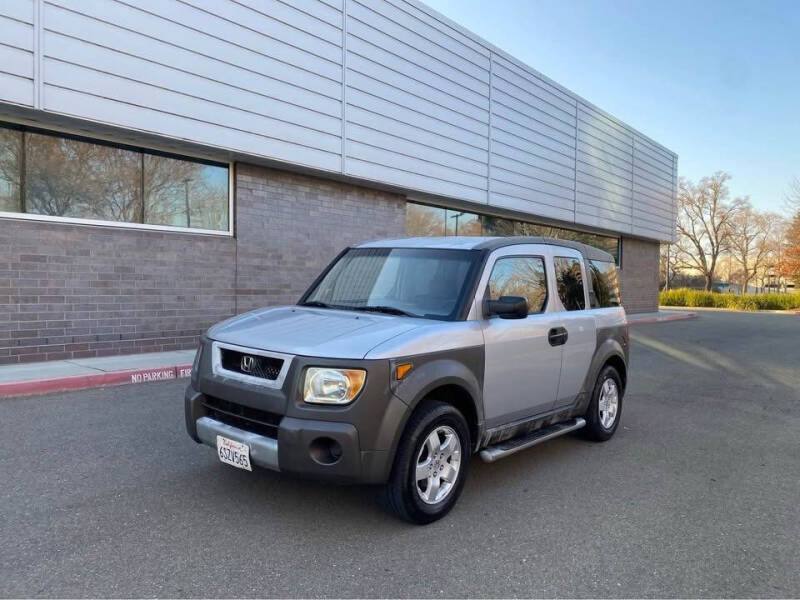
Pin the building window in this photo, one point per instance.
(10, 161)
(423, 221)
(70, 178)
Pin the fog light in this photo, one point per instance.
(325, 451)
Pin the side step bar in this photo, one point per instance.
(512, 446)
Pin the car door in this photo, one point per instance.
(578, 323)
(522, 368)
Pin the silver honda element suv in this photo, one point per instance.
(407, 357)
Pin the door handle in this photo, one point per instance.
(557, 336)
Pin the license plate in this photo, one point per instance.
(233, 453)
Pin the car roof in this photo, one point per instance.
(488, 243)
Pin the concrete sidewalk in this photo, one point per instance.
(660, 317)
(61, 375)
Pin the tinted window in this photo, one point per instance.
(462, 223)
(59, 176)
(10, 151)
(184, 193)
(520, 276)
(68, 178)
(604, 284)
(569, 281)
(423, 282)
(422, 220)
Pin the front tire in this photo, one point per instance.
(430, 465)
(605, 408)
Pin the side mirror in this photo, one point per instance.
(507, 307)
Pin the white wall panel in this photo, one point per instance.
(269, 74)
(532, 166)
(653, 184)
(17, 51)
(385, 91)
(604, 165)
(415, 70)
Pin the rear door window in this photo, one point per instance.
(569, 281)
(605, 284)
(520, 276)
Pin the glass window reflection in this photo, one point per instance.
(62, 176)
(569, 281)
(181, 193)
(520, 276)
(605, 284)
(10, 165)
(425, 220)
(462, 223)
(69, 178)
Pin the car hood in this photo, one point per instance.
(307, 331)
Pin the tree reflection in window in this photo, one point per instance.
(569, 281)
(10, 152)
(520, 276)
(69, 178)
(185, 194)
(604, 283)
(424, 221)
(59, 176)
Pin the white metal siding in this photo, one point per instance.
(381, 90)
(533, 144)
(17, 51)
(417, 102)
(604, 192)
(263, 79)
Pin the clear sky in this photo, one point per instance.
(716, 81)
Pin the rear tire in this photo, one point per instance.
(431, 464)
(605, 409)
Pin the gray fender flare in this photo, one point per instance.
(425, 378)
(609, 348)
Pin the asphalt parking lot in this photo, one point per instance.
(698, 494)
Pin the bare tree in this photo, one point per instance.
(668, 269)
(704, 224)
(793, 197)
(750, 241)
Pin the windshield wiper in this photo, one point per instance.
(389, 310)
(316, 303)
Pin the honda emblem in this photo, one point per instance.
(247, 364)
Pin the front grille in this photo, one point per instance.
(255, 365)
(254, 420)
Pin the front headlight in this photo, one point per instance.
(332, 386)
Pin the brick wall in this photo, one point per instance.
(289, 227)
(639, 275)
(71, 291)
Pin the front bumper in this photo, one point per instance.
(263, 450)
(319, 449)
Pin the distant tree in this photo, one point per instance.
(789, 263)
(668, 269)
(750, 241)
(793, 196)
(704, 224)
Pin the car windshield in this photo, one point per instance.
(417, 282)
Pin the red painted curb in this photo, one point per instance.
(82, 382)
(662, 319)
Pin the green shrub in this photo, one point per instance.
(698, 298)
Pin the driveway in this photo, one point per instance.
(103, 494)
